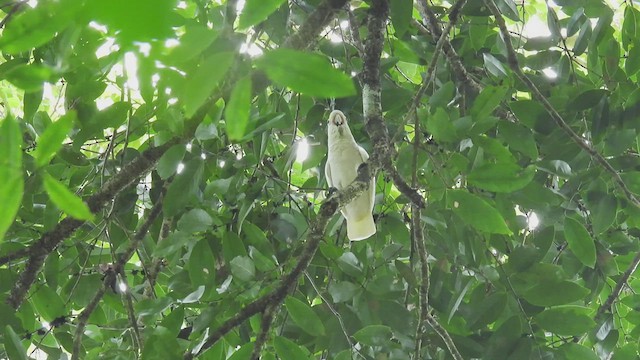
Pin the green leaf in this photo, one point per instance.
(238, 109)
(183, 188)
(501, 177)
(478, 213)
(48, 303)
(569, 320)
(29, 77)
(242, 268)
(443, 95)
(304, 316)
(494, 66)
(487, 101)
(51, 140)
(580, 242)
(12, 183)
(32, 101)
(66, 200)
(202, 264)
(519, 138)
(572, 351)
(256, 11)
(586, 99)
(440, 126)
(604, 210)
(168, 163)
(374, 335)
(13, 345)
(310, 74)
(551, 293)
(161, 344)
(401, 12)
(349, 263)
(243, 353)
(201, 82)
(195, 220)
(142, 20)
(288, 350)
(33, 27)
(195, 40)
(632, 63)
(583, 39)
(343, 291)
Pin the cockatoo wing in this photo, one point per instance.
(327, 173)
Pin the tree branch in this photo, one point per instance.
(444, 335)
(307, 35)
(606, 306)
(111, 278)
(267, 319)
(512, 61)
(49, 241)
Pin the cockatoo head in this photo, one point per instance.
(338, 126)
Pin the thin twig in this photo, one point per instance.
(606, 306)
(444, 335)
(111, 278)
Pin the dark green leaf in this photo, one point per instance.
(443, 95)
(51, 140)
(551, 293)
(401, 12)
(342, 291)
(586, 99)
(238, 109)
(256, 11)
(13, 345)
(494, 66)
(201, 81)
(478, 213)
(303, 316)
(12, 184)
(168, 163)
(501, 177)
(66, 200)
(242, 267)
(184, 187)
(571, 351)
(583, 39)
(306, 73)
(374, 335)
(632, 63)
(48, 303)
(566, 320)
(487, 101)
(288, 350)
(580, 242)
(195, 220)
(35, 26)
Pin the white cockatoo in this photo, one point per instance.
(344, 156)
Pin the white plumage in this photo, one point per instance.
(344, 156)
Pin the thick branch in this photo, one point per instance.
(431, 20)
(372, 99)
(307, 35)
